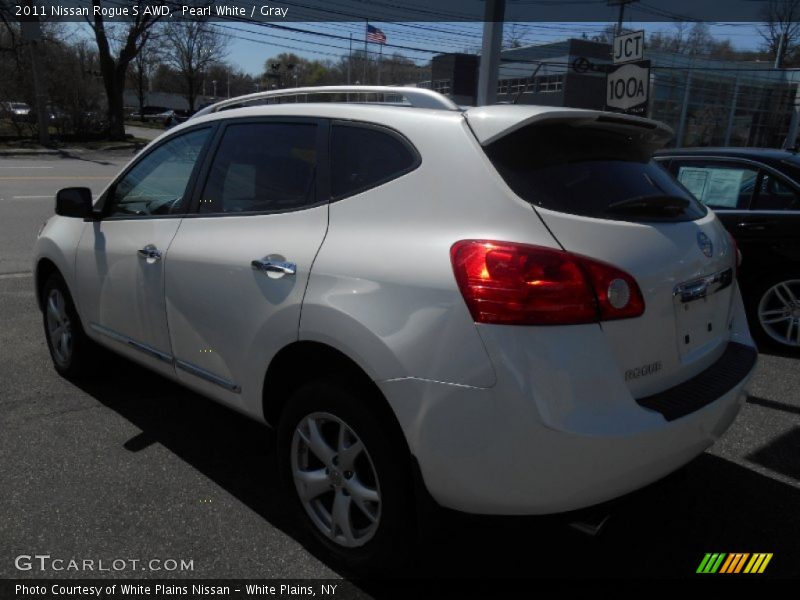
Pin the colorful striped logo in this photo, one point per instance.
(738, 562)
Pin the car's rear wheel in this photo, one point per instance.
(70, 349)
(348, 478)
(776, 312)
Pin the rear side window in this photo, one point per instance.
(592, 172)
(363, 157)
(262, 167)
(720, 185)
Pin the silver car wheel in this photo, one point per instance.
(779, 312)
(59, 327)
(336, 479)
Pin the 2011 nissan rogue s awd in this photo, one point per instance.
(512, 306)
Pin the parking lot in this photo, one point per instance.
(132, 466)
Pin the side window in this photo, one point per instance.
(718, 184)
(365, 157)
(775, 194)
(156, 185)
(262, 167)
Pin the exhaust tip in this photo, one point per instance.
(590, 527)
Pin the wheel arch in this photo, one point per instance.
(303, 361)
(44, 269)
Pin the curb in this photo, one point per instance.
(62, 151)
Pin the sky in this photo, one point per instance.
(251, 44)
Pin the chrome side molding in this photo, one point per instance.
(168, 358)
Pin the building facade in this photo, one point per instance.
(707, 102)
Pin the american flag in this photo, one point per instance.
(375, 35)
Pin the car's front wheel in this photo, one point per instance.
(776, 312)
(348, 477)
(70, 349)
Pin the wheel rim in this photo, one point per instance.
(336, 479)
(59, 327)
(779, 312)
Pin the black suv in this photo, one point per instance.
(756, 194)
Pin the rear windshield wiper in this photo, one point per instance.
(656, 205)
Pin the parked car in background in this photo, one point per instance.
(511, 308)
(152, 113)
(755, 192)
(182, 115)
(16, 111)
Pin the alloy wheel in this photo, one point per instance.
(336, 479)
(779, 312)
(59, 326)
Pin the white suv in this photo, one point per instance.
(511, 307)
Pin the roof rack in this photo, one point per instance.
(409, 96)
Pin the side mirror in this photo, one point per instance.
(74, 202)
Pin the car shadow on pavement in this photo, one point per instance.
(664, 530)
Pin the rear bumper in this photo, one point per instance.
(479, 452)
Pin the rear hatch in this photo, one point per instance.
(590, 178)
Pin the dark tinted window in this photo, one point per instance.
(775, 194)
(262, 167)
(157, 183)
(720, 184)
(591, 172)
(364, 157)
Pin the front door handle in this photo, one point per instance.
(269, 264)
(150, 252)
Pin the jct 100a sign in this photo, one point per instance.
(628, 88)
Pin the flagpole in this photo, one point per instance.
(349, 59)
(380, 56)
(364, 82)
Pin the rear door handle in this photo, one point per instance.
(271, 265)
(755, 225)
(150, 252)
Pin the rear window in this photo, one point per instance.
(591, 172)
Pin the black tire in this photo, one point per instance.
(82, 351)
(763, 295)
(387, 549)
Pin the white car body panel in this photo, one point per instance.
(120, 293)
(227, 318)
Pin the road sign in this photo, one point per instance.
(628, 88)
(628, 47)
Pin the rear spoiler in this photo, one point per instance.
(490, 123)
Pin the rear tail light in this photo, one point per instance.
(519, 284)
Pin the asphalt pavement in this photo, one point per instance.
(129, 465)
(28, 187)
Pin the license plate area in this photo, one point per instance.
(702, 308)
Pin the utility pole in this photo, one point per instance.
(621, 4)
(490, 51)
(349, 59)
(32, 33)
(779, 55)
(684, 109)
